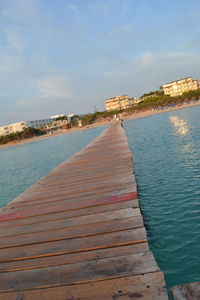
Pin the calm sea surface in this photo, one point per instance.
(21, 166)
(166, 151)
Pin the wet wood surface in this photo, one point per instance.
(78, 233)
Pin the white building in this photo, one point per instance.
(13, 128)
(120, 102)
(4, 130)
(19, 126)
(178, 87)
(56, 117)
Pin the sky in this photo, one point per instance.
(69, 56)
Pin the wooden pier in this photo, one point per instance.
(78, 233)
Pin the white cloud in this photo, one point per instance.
(180, 54)
(146, 59)
(54, 86)
(49, 89)
(14, 38)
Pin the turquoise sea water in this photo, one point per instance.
(21, 166)
(166, 152)
(167, 162)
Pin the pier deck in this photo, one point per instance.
(78, 233)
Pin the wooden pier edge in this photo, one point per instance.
(78, 233)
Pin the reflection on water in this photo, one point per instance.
(181, 129)
(180, 125)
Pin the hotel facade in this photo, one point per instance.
(120, 102)
(178, 87)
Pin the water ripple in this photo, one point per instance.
(167, 161)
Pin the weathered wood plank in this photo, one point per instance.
(67, 199)
(87, 186)
(69, 222)
(63, 200)
(71, 232)
(66, 207)
(69, 214)
(79, 272)
(54, 196)
(73, 258)
(189, 291)
(144, 287)
(106, 240)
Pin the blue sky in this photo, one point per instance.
(68, 56)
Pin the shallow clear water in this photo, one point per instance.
(166, 152)
(22, 166)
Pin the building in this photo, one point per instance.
(57, 124)
(12, 128)
(120, 102)
(57, 116)
(178, 87)
(38, 123)
(4, 130)
(19, 126)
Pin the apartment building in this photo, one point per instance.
(4, 130)
(12, 128)
(120, 102)
(19, 126)
(178, 87)
(38, 123)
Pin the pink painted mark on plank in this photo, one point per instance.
(67, 207)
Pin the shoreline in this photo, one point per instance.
(126, 116)
(48, 135)
(149, 113)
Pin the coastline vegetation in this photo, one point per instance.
(97, 116)
(27, 133)
(152, 101)
(162, 101)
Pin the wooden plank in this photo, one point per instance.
(75, 180)
(69, 222)
(64, 188)
(71, 232)
(63, 199)
(60, 200)
(73, 258)
(69, 214)
(121, 168)
(144, 287)
(67, 207)
(79, 272)
(98, 171)
(60, 197)
(189, 291)
(33, 190)
(97, 182)
(106, 240)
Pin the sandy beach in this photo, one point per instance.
(125, 116)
